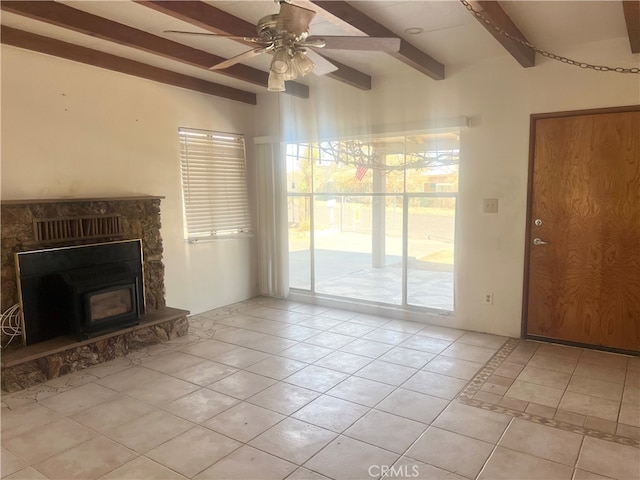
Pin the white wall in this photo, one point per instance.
(72, 130)
(498, 96)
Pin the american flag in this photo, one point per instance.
(361, 171)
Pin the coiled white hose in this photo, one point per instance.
(10, 323)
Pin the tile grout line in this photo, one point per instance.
(495, 447)
(575, 466)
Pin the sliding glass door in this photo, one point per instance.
(374, 220)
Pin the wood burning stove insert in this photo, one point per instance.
(102, 297)
(82, 291)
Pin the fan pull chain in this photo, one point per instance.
(544, 53)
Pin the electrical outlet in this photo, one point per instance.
(488, 298)
(490, 205)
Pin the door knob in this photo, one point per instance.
(539, 241)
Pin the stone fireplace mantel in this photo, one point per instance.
(29, 201)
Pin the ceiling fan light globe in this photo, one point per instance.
(278, 66)
(292, 73)
(276, 82)
(303, 64)
(280, 62)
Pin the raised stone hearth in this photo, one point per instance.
(29, 366)
(28, 225)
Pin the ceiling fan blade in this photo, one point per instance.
(230, 37)
(239, 58)
(294, 19)
(382, 44)
(204, 34)
(322, 65)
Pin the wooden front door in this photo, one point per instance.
(582, 278)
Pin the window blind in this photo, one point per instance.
(214, 184)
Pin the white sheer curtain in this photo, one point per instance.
(273, 241)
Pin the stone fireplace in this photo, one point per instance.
(90, 280)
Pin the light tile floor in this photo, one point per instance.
(269, 389)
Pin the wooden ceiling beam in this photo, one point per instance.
(349, 75)
(632, 18)
(79, 21)
(88, 56)
(214, 20)
(203, 15)
(408, 53)
(493, 11)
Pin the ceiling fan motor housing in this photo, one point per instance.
(268, 29)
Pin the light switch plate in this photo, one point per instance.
(490, 205)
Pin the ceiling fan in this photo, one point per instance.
(286, 36)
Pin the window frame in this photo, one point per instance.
(407, 193)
